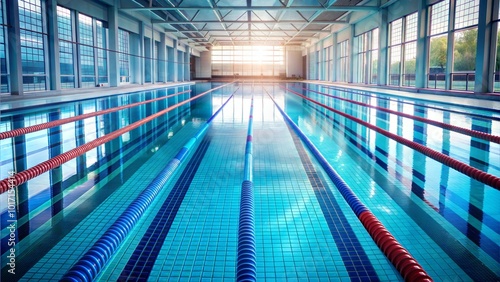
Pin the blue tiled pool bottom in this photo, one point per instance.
(356, 261)
(304, 229)
(143, 259)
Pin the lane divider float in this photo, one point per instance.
(404, 262)
(246, 269)
(464, 168)
(88, 267)
(466, 131)
(25, 175)
(46, 125)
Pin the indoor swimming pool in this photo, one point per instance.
(434, 187)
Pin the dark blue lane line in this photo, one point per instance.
(353, 255)
(140, 264)
(449, 244)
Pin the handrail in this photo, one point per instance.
(37, 127)
(404, 262)
(23, 176)
(464, 73)
(95, 259)
(246, 269)
(466, 131)
(466, 169)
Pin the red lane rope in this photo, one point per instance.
(466, 131)
(25, 175)
(37, 127)
(466, 169)
(404, 262)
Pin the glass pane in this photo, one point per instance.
(86, 40)
(465, 50)
(467, 13)
(439, 17)
(32, 45)
(374, 67)
(66, 47)
(4, 79)
(497, 64)
(375, 36)
(437, 62)
(102, 53)
(123, 47)
(410, 56)
(247, 60)
(395, 65)
(411, 27)
(396, 31)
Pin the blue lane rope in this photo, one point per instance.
(90, 265)
(246, 269)
(357, 206)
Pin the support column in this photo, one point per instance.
(14, 48)
(180, 65)
(53, 44)
(142, 61)
(172, 62)
(422, 45)
(335, 56)
(382, 47)
(485, 53)
(114, 66)
(162, 59)
(187, 61)
(78, 57)
(136, 59)
(321, 60)
(307, 75)
(176, 61)
(352, 60)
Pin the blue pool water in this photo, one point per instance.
(304, 229)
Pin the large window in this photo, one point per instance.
(93, 58)
(343, 51)
(438, 44)
(4, 73)
(102, 54)
(66, 47)
(367, 57)
(87, 61)
(33, 41)
(328, 60)
(124, 55)
(374, 57)
(464, 50)
(248, 61)
(403, 51)
(396, 40)
(156, 48)
(497, 62)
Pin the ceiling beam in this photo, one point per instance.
(243, 35)
(314, 16)
(258, 8)
(251, 22)
(271, 31)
